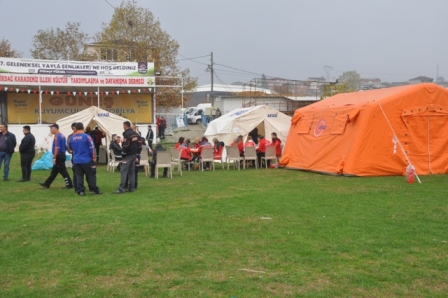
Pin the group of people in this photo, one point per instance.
(260, 143)
(191, 153)
(83, 145)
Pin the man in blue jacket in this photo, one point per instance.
(84, 160)
(58, 149)
(7, 145)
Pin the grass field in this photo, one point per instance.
(248, 233)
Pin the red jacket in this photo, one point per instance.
(185, 152)
(278, 149)
(262, 145)
(240, 146)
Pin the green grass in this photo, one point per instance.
(295, 234)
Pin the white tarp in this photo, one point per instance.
(242, 121)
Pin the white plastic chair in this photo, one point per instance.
(113, 162)
(144, 160)
(269, 155)
(175, 159)
(163, 161)
(233, 154)
(250, 153)
(207, 156)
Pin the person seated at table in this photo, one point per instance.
(239, 143)
(115, 146)
(249, 142)
(217, 148)
(261, 150)
(205, 144)
(179, 142)
(277, 143)
(196, 152)
(185, 153)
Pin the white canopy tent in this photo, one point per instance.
(107, 122)
(242, 121)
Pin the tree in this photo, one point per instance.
(134, 34)
(349, 81)
(7, 51)
(61, 44)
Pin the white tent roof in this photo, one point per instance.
(107, 122)
(242, 121)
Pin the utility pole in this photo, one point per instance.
(328, 70)
(212, 75)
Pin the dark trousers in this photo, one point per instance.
(26, 159)
(126, 185)
(88, 169)
(162, 132)
(59, 168)
(127, 172)
(153, 170)
(150, 145)
(97, 149)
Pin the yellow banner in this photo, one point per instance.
(24, 108)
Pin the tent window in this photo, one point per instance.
(304, 124)
(339, 123)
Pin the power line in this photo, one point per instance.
(186, 58)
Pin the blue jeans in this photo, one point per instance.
(7, 157)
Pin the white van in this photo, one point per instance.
(195, 114)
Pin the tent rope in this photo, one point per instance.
(429, 150)
(398, 141)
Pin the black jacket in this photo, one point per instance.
(10, 142)
(115, 148)
(150, 136)
(27, 144)
(130, 144)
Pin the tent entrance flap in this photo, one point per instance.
(426, 140)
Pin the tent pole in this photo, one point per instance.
(40, 106)
(398, 141)
(98, 96)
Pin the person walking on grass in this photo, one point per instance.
(27, 153)
(7, 145)
(84, 160)
(58, 149)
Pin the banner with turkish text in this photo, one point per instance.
(24, 108)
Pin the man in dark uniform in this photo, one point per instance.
(130, 146)
(27, 153)
(58, 149)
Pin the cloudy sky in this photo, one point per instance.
(393, 40)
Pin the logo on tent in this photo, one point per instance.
(103, 114)
(272, 115)
(320, 127)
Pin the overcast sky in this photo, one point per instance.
(394, 40)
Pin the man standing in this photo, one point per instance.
(84, 160)
(73, 126)
(7, 145)
(97, 135)
(162, 128)
(58, 149)
(129, 155)
(27, 153)
(150, 137)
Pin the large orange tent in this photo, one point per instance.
(372, 133)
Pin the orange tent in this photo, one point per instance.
(372, 133)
